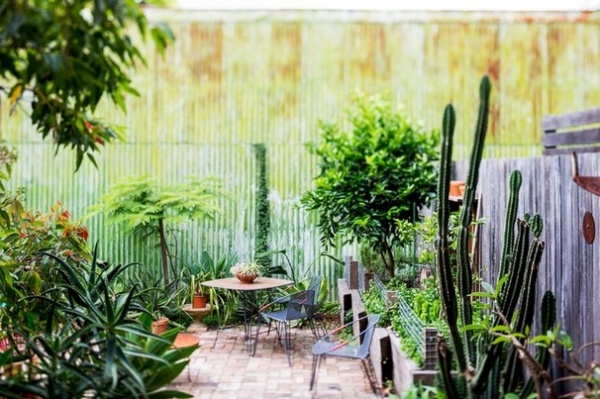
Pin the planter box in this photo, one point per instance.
(406, 372)
(381, 356)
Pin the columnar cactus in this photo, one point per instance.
(485, 368)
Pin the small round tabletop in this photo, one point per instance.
(261, 283)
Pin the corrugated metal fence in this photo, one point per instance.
(570, 267)
(233, 79)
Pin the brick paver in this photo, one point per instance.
(221, 369)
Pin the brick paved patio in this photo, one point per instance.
(221, 369)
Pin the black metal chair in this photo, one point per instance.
(298, 306)
(314, 285)
(356, 347)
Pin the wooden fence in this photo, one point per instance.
(570, 266)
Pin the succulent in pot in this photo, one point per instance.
(246, 272)
(198, 291)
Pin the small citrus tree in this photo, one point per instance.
(374, 177)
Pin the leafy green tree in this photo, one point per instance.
(144, 206)
(374, 177)
(65, 56)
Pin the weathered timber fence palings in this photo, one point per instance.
(570, 267)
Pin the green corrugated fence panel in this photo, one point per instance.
(233, 79)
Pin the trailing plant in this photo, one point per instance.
(372, 177)
(486, 368)
(262, 212)
(67, 56)
(143, 206)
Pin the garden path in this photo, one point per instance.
(221, 369)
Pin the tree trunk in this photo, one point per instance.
(163, 251)
(388, 257)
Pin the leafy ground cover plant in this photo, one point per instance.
(373, 177)
(424, 301)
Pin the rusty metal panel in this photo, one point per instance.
(233, 79)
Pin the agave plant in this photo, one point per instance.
(93, 344)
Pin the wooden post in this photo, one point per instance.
(430, 355)
(345, 299)
(369, 276)
(353, 275)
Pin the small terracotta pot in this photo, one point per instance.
(455, 186)
(246, 278)
(199, 302)
(12, 370)
(160, 326)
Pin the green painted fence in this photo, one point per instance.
(233, 79)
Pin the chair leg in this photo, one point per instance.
(317, 329)
(288, 342)
(370, 371)
(316, 363)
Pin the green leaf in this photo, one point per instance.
(488, 287)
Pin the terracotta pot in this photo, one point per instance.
(160, 326)
(199, 302)
(455, 186)
(246, 278)
(13, 370)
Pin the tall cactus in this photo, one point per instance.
(484, 367)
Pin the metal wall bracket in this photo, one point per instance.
(588, 183)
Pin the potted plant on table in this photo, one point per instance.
(246, 272)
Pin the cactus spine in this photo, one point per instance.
(483, 366)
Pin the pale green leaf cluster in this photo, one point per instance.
(138, 204)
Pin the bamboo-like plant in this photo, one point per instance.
(486, 367)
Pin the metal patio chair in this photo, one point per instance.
(314, 285)
(299, 306)
(356, 347)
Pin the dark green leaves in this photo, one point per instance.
(67, 56)
(380, 171)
